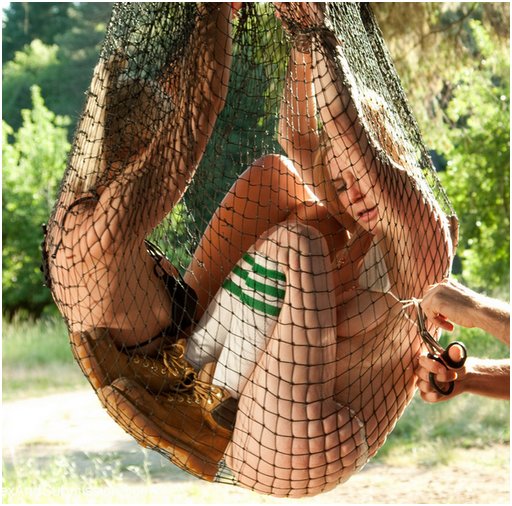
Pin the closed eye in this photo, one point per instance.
(340, 185)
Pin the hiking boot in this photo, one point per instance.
(180, 425)
(102, 363)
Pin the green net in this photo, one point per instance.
(247, 213)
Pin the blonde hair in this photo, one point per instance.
(320, 178)
(375, 109)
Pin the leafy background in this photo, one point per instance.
(454, 62)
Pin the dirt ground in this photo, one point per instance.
(75, 426)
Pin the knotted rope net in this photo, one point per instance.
(247, 210)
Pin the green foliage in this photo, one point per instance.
(60, 61)
(478, 172)
(33, 161)
(37, 63)
(25, 21)
(174, 236)
(430, 41)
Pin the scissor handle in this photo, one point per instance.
(447, 361)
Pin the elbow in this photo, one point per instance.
(438, 247)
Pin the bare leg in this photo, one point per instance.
(291, 438)
(185, 112)
(263, 196)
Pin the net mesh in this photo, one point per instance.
(247, 212)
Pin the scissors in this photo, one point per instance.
(438, 353)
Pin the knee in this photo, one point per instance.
(292, 231)
(298, 239)
(271, 170)
(297, 246)
(273, 162)
(334, 449)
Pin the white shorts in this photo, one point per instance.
(234, 329)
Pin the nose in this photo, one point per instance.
(355, 192)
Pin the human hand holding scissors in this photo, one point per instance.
(453, 357)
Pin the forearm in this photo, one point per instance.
(195, 92)
(298, 123)
(490, 378)
(204, 75)
(495, 318)
(450, 303)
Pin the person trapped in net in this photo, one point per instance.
(133, 157)
(449, 303)
(323, 373)
(342, 260)
(136, 148)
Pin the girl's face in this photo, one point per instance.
(356, 185)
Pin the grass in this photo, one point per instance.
(30, 483)
(29, 343)
(77, 477)
(37, 360)
(62, 482)
(431, 434)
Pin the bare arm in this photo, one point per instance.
(488, 377)
(449, 303)
(298, 118)
(419, 239)
(200, 87)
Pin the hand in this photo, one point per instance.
(450, 302)
(443, 376)
(300, 15)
